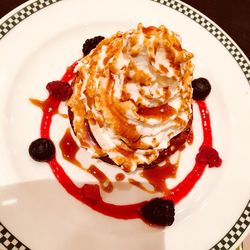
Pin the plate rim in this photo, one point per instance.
(20, 13)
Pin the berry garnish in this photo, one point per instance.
(201, 88)
(158, 212)
(91, 192)
(208, 156)
(90, 44)
(60, 90)
(42, 149)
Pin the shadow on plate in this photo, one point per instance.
(44, 216)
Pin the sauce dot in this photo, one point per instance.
(120, 177)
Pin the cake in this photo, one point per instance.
(132, 97)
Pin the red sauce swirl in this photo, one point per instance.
(90, 195)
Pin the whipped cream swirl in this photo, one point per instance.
(132, 94)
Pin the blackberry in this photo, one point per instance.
(90, 44)
(42, 149)
(60, 90)
(201, 88)
(158, 212)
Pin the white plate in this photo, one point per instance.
(37, 44)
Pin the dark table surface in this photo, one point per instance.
(231, 15)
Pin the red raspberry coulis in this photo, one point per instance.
(90, 194)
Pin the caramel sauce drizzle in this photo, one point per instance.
(140, 185)
(42, 104)
(155, 176)
(69, 149)
(105, 183)
(120, 177)
(158, 175)
(162, 111)
(63, 115)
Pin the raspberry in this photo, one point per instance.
(91, 192)
(158, 212)
(42, 149)
(208, 156)
(201, 88)
(90, 44)
(60, 90)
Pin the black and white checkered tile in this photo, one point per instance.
(22, 14)
(9, 241)
(236, 231)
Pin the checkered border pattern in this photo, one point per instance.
(9, 241)
(22, 14)
(212, 29)
(235, 232)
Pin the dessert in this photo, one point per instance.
(91, 94)
(131, 95)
